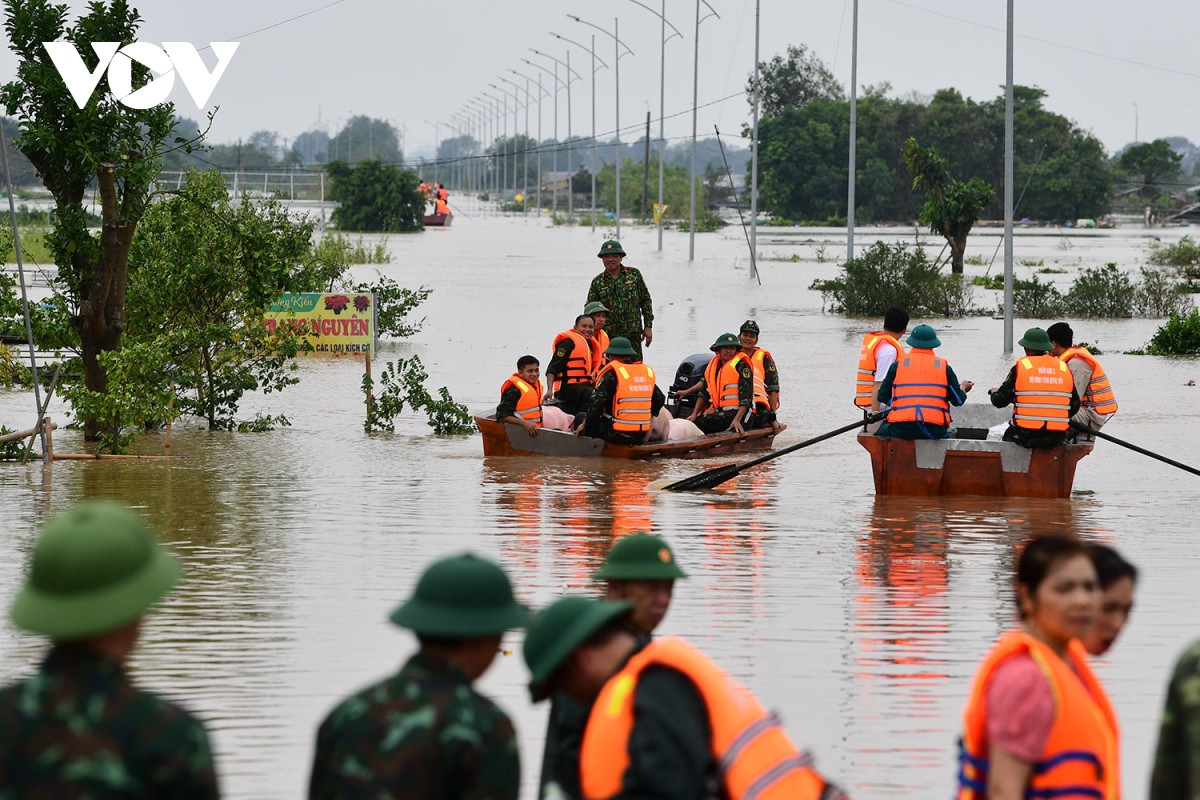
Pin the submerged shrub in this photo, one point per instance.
(1102, 292)
(1034, 299)
(1159, 296)
(895, 275)
(1184, 254)
(1180, 336)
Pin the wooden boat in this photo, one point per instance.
(506, 439)
(438, 220)
(968, 464)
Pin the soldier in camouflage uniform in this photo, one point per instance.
(1176, 774)
(425, 733)
(623, 290)
(78, 728)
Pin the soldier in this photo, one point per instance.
(599, 341)
(78, 728)
(641, 570)
(425, 733)
(625, 401)
(727, 390)
(623, 290)
(666, 721)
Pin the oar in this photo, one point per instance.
(717, 476)
(1135, 448)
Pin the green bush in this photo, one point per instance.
(1184, 254)
(895, 275)
(1102, 292)
(1033, 299)
(1179, 336)
(1159, 296)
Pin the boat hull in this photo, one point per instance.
(505, 439)
(438, 220)
(971, 467)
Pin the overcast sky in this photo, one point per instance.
(1113, 66)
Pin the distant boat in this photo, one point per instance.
(438, 220)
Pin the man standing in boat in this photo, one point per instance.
(1096, 398)
(569, 374)
(623, 290)
(728, 387)
(626, 399)
(766, 377)
(879, 351)
(920, 387)
(1041, 390)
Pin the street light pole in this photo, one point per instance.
(436, 141)
(592, 51)
(850, 181)
(570, 72)
(695, 109)
(662, 89)
(617, 45)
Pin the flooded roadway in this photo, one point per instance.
(860, 618)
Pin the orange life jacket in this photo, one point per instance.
(721, 382)
(443, 194)
(1080, 758)
(529, 405)
(1099, 394)
(630, 409)
(761, 398)
(754, 756)
(599, 345)
(441, 207)
(919, 390)
(1043, 394)
(579, 363)
(864, 383)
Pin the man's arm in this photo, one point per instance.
(883, 394)
(647, 309)
(601, 400)
(558, 365)
(885, 361)
(771, 373)
(956, 392)
(669, 754)
(657, 401)
(1007, 392)
(594, 290)
(507, 411)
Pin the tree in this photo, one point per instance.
(118, 148)
(364, 138)
(1154, 162)
(375, 197)
(311, 147)
(793, 82)
(952, 206)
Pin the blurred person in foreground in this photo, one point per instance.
(665, 721)
(1037, 721)
(640, 569)
(1118, 579)
(78, 728)
(425, 733)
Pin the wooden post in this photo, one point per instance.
(45, 405)
(170, 408)
(370, 398)
(48, 426)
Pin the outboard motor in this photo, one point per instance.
(690, 371)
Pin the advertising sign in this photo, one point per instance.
(335, 323)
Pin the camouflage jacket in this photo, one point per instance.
(422, 733)
(79, 729)
(1176, 773)
(628, 303)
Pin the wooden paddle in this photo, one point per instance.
(1135, 448)
(718, 475)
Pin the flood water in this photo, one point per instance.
(860, 618)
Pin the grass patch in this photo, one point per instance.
(1031, 263)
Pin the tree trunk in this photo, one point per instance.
(101, 319)
(958, 248)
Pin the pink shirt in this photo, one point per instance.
(1020, 708)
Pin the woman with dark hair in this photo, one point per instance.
(1037, 722)
(1117, 581)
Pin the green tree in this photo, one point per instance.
(793, 81)
(117, 149)
(364, 138)
(802, 161)
(952, 206)
(373, 196)
(1153, 163)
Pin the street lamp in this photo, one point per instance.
(617, 45)
(525, 170)
(487, 127)
(504, 117)
(695, 102)
(595, 69)
(557, 82)
(662, 88)
(436, 142)
(541, 93)
(570, 167)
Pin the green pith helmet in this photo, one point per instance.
(749, 325)
(924, 337)
(642, 556)
(95, 568)
(725, 340)
(1036, 339)
(461, 597)
(620, 346)
(596, 307)
(610, 248)
(560, 628)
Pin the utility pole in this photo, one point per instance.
(646, 169)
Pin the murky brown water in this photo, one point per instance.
(860, 618)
